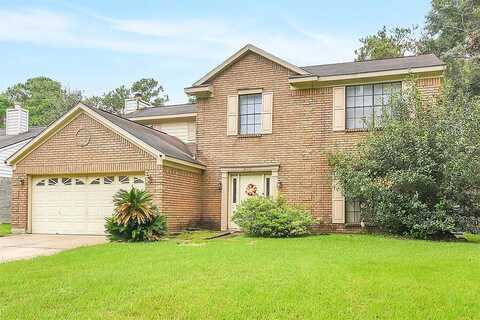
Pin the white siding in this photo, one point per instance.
(184, 130)
(17, 121)
(5, 153)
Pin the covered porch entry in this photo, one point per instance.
(244, 181)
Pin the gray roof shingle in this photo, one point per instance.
(177, 109)
(346, 68)
(6, 141)
(166, 144)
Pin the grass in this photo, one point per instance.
(472, 237)
(321, 277)
(5, 229)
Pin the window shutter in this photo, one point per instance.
(338, 203)
(338, 109)
(232, 115)
(267, 112)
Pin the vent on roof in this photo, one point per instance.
(17, 121)
(135, 103)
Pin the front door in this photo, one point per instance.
(243, 186)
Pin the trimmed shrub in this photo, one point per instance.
(267, 217)
(136, 218)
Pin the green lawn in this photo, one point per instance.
(321, 277)
(4, 229)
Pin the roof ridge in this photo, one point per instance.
(369, 60)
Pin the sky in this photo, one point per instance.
(96, 46)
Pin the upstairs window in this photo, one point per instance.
(366, 103)
(250, 113)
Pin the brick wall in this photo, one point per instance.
(301, 141)
(181, 198)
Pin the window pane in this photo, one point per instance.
(387, 88)
(350, 113)
(124, 179)
(251, 99)
(378, 101)
(368, 89)
(368, 112)
(79, 182)
(359, 123)
(243, 120)
(258, 108)
(41, 183)
(95, 181)
(258, 98)
(234, 190)
(359, 101)
(267, 187)
(67, 181)
(243, 129)
(108, 180)
(359, 91)
(52, 181)
(137, 180)
(377, 89)
(350, 101)
(251, 119)
(258, 119)
(351, 123)
(367, 100)
(243, 109)
(258, 128)
(350, 91)
(358, 112)
(243, 99)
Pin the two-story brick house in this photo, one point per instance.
(261, 126)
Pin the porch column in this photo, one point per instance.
(224, 205)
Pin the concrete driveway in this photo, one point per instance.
(27, 246)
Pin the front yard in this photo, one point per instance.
(329, 277)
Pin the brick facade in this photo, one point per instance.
(301, 141)
(106, 152)
(181, 198)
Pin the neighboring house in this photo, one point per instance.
(259, 120)
(15, 135)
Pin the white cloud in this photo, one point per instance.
(208, 38)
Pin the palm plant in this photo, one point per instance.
(134, 206)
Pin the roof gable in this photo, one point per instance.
(153, 141)
(240, 53)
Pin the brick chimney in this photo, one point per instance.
(16, 121)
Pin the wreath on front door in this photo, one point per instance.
(251, 189)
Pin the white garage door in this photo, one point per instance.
(76, 205)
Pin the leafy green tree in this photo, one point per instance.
(452, 32)
(151, 90)
(385, 43)
(114, 100)
(420, 175)
(4, 105)
(44, 98)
